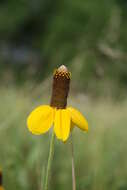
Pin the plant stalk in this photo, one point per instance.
(73, 165)
(50, 158)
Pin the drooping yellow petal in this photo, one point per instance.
(66, 124)
(62, 124)
(40, 120)
(57, 124)
(78, 119)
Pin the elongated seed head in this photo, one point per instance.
(60, 87)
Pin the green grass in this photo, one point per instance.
(100, 155)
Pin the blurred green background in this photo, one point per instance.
(90, 38)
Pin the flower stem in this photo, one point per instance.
(73, 165)
(51, 152)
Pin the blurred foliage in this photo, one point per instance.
(89, 36)
(100, 154)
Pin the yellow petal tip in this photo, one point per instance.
(78, 119)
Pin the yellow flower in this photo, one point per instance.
(56, 114)
(43, 117)
(1, 188)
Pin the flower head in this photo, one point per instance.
(57, 114)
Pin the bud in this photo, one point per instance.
(60, 87)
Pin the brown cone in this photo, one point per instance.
(60, 88)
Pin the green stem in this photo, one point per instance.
(51, 152)
(73, 165)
